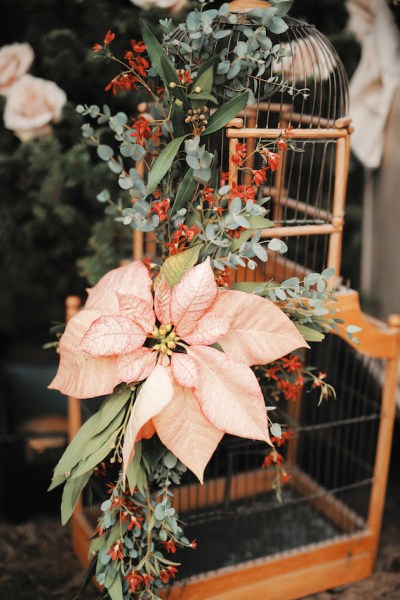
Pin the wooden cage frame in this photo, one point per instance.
(349, 557)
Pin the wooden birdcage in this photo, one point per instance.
(326, 531)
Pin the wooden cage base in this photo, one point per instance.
(285, 576)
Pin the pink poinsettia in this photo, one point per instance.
(192, 393)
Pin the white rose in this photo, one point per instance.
(15, 60)
(172, 5)
(32, 105)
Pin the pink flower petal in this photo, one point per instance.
(229, 395)
(138, 310)
(130, 279)
(162, 301)
(185, 370)
(260, 332)
(154, 396)
(193, 296)
(208, 330)
(135, 366)
(112, 335)
(79, 374)
(185, 431)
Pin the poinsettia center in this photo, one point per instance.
(166, 339)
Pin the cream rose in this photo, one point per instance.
(32, 105)
(15, 60)
(172, 5)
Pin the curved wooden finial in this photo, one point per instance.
(244, 6)
(394, 321)
(72, 304)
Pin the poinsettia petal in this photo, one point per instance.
(136, 366)
(112, 335)
(260, 332)
(229, 395)
(208, 330)
(79, 374)
(130, 279)
(193, 296)
(138, 310)
(154, 396)
(185, 369)
(185, 431)
(162, 301)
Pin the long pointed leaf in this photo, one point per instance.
(162, 63)
(226, 113)
(163, 163)
(170, 76)
(185, 192)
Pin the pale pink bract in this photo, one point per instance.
(197, 393)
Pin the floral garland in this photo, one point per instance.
(169, 342)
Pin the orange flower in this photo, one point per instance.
(134, 579)
(116, 551)
(185, 77)
(97, 48)
(182, 235)
(241, 152)
(168, 573)
(244, 192)
(141, 130)
(259, 176)
(272, 373)
(319, 381)
(286, 436)
(273, 159)
(291, 363)
(122, 82)
(161, 209)
(138, 46)
(169, 546)
(222, 279)
(273, 458)
(110, 36)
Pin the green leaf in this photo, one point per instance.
(256, 222)
(163, 163)
(176, 266)
(153, 47)
(93, 426)
(171, 76)
(153, 450)
(115, 590)
(250, 287)
(72, 454)
(185, 192)
(178, 121)
(226, 113)
(88, 464)
(309, 334)
(162, 63)
(205, 75)
(351, 329)
(132, 471)
(203, 96)
(97, 441)
(72, 491)
(90, 573)
(105, 152)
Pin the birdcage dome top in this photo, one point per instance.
(280, 60)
